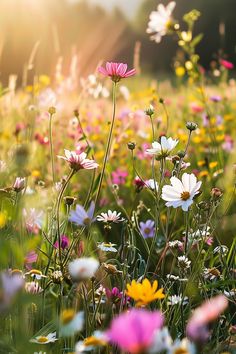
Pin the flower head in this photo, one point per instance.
(83, 268)
(133, 331)
(50, 338)
(203, 315)
(110, 216)
(82, 217)
(163, 148)
(78, 161)
(71, 322)
(226, 64)
(160, 21)
(19, 184)
(64, 242)
(147, 228)
(107, 247)
(145, 292)
(116, 71)
(181, 193)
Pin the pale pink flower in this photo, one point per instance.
(78, 161)
(19, 184)
(209, 311)
(116, 71)
(110, 216)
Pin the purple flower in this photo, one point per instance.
(64, 242)
(134, 331)
(215, 98)
(119, 176)
(115, 295)
(82, 217)
(147, 228)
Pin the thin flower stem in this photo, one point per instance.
(108, 143)
(51, 148)
(60, 196)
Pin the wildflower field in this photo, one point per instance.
(117, 195)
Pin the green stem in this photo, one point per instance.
(51, 148)
(108, 146)
(60, 196)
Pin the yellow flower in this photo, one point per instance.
(180, 71)
(3, 219)
(145, 292)
(213, 164)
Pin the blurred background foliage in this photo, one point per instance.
(34, 34)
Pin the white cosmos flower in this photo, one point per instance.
(50, 338)
(181, 193)
(71, 322)
(160, 21)
(110, 216)
(83, 268)
(163, 148)
(150, 183)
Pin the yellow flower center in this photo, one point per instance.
(67, 316)
(42, 339)
(181, 351)
(147, 230)
(87, 221)
(93, 341)
(185, 195)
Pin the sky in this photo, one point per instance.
(129, 7)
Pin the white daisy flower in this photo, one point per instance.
(50, 338)
(83, 268)
(110, 216)
(182, 346)
(184, 262)
(153, 185)
(221, 249)
(175, 244)
(163, 148)
(36, 274)
(181, 193)
(177, 299)
(71, 322)
(107, 247)
(161, 21)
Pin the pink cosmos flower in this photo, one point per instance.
(209, 311)
(78, 161)
(116, 71)
(119, 176)
(134, 331)
(226, 64)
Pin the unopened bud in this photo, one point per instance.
(131, 145)
(51, 110)
(191, 126)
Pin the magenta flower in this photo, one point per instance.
(78, 161)
(115, 295)
(116, 71)
(133, 331)
(226, 64)
(119, 176)
(209, 311)
(64, 242)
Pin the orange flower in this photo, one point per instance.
(145, 292)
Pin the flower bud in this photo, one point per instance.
(149, 111)
(191, 126)
(69, 200)
(51, 110)
(181, 154)
(216, 193)
(131, 145)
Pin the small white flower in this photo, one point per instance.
(163, 148)
(181, 193)
(160, 21)
(211, 273)
(153, 185)
(162, 341)
(107, 247)
(83, 268)
(71, 323)
(222, 249)
(175, 244)
(110, 216)
(184, 262)
(177, 299)
(36, 274)
(182, 346)
(50, 338)
(176, 278)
